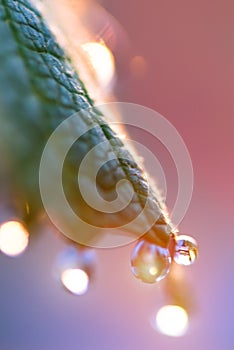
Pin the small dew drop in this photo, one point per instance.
(186, 250)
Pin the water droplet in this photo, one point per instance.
(149, 262)
(186, 250)
(74, 268)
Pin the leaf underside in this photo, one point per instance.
(39, 88)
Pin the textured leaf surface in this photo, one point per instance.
(39, 88)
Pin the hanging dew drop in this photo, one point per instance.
(149, 262)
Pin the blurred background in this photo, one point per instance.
(176, 57)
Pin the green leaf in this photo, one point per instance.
(39, 88)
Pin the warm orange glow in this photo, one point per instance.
(13, 238)
(75, 280)
(172, 320)
(153, 271)
(101, 60)
(138, 66)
